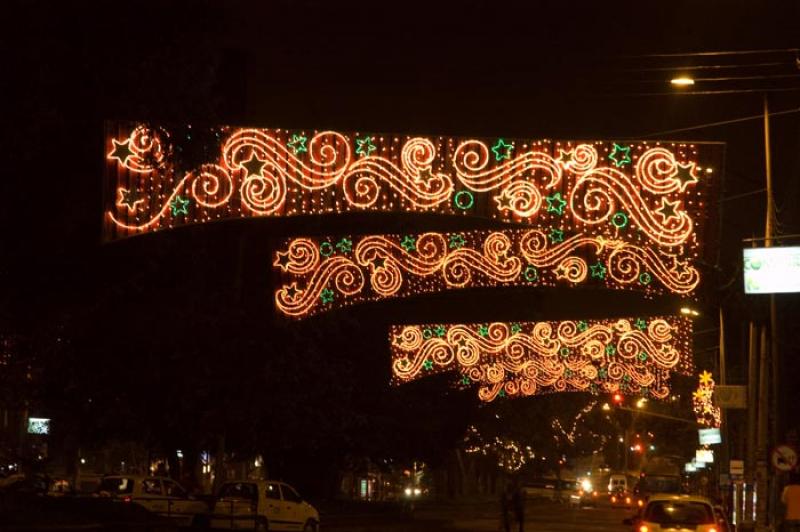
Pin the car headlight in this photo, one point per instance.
(586, 484)
(408, 492)
(417, 491)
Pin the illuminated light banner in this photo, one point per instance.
(159, 178)
(631, 356)
(320, 274)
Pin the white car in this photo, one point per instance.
(262, 505)
(160, 495)
(676, 513)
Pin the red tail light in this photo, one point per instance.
(127, 499)
(640, 502)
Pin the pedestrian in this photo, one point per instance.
(791, 498)
(505, 508)
(518, 503)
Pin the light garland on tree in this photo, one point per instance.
(320, 274)
(708, 414)
(643, 192)
(559, 431)
(631, 356)
(511, 455)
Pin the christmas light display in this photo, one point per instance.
(630, 356)
(707, 413)
(511, 455)
(646, 193)
(355, 269)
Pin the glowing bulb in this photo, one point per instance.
(682, 81)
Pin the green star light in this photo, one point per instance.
(409, 243)
(326, 296)
(297, 144)
(516, 328)
(598, 270)
(556, 235)
(428, 365)
(502, 150)
(483, 330)
(457, 241)
(345, 245)
(620, 156)
(365, 146)
(640, 324)
(466, 380)
(440, 331)
(582, 325)
(179, 206)
(611, 349)
(555, 203)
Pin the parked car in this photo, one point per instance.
(550, 489)
(262, 505)
(160, 495)
(722, 519)
(675, 512)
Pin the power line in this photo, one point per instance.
(720, 123)
(725, 53)
(707, 67)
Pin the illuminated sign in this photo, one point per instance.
(38, 425)
(705, 456)
(771, 270)
(689, 467)
(631, 356)
(709, 436)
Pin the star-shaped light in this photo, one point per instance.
(439, 331)
(640, 324)
(503, 201)
(555, 203)
(253, 165)
(466, 380)
(179, 206)
(457, 241)
(706, 379)
(483, 330)
(345, 245)
(282, 260)
(501, 393)
(428, 365)
(326, 296)
(582, 325)
(425, 175)
(409, 243)
(561, 272)
(681, 269)
(462, 341)
(365, 146)
(685, 175)
(291, 291)
(611, 349)
(129, 199)
(516, 328)
(556, 235)
(598, 270)
(566, 157)
(378, 262)
(602, 373)
(121, 151)
(297, 144)
(668, 210)
(502, 150)
(620, 155)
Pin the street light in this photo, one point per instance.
(682, 81)
(687, 311)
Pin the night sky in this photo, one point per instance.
(545, 70)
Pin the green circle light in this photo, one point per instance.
(326, 249)
(464, 204)
(620, 220)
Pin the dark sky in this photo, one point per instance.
(518, 69)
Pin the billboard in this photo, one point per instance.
(709, 436)
(771, 270)
(704, 456)
(38, 425)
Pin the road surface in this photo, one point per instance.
(482, 517)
